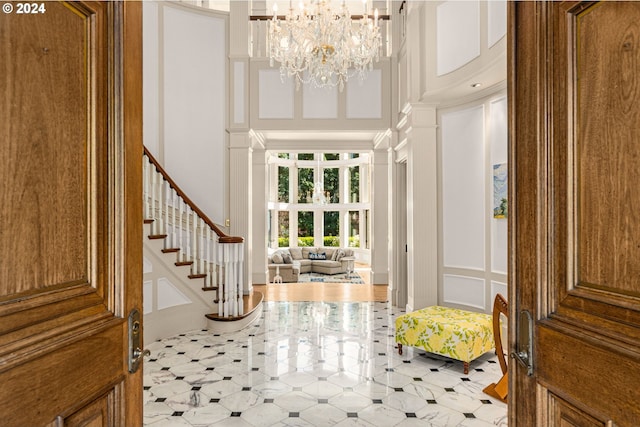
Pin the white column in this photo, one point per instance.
(240, 151)
(260, 215)
(380, 242)
(422, 207)
(240, 196)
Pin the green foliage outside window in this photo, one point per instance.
(305, 185)
(283, 184)
(305, 241)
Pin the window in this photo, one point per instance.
(305, 185)
(305, 228)
(283, 184)
(354, 184)
(283, 229)
(331, 228)
(345, 217)
(332, 184)
(354, 229)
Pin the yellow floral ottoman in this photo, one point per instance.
(458, 334)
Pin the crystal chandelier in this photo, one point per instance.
(323, 46)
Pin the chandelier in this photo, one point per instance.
(323, 46)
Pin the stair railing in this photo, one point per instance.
(196, 240)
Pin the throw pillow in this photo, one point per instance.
(277, 258)
(296, 253)
(340, 255)
(322, 255)
(287, 258)
(313, 255)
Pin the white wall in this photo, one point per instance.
(185, 99)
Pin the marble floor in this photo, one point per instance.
(314, 364)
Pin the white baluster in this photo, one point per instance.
(240, 278)
(180, 241)
(194, 242)
(145, 192)
(167, 193)
(174, 205)
(154, 177)
(187, 231)
(221, 291)
(158, 207)
(201, 250)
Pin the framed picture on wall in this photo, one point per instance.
(500, 190)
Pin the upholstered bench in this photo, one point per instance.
(458, 334)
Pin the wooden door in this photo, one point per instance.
(70, 213)
(574, 95)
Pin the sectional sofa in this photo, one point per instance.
(293, 261)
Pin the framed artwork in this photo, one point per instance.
(500, 190)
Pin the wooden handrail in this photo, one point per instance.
(222, 237)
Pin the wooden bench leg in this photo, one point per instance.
(400, 349)
(466, 367)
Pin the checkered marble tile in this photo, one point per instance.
(314, 364)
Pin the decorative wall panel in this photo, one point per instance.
(463, 188)
(194, 116)
(497, 21)
(148, 296)
(168, 295)
(364, 98)
(498, 149)
(319, 103)
(458, 34)
(275, 96)
(463, 290)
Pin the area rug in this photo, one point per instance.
(331, 278)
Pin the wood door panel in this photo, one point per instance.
(47, 148)
(66, 380)
(595, 236)
(566, 415)
(567, 365)
(607, 61)
(54, 171)
(97, 414)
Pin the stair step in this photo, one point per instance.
(170, 250)
(209, 288)
(197, 276)
(157, 236)
(148, 221)
(181, 263)
(250, 303)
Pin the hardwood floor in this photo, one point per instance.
(327, 292)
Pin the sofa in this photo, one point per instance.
(293, 261)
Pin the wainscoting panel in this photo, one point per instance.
(465, 291)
